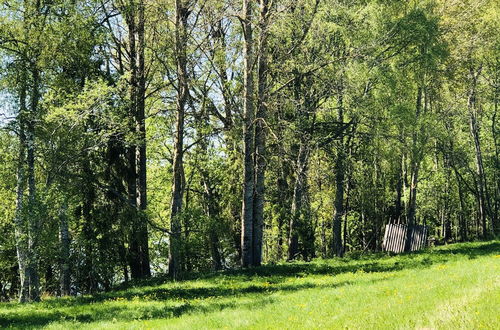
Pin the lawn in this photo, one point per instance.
(450, 287)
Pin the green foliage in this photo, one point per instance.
(387, 86)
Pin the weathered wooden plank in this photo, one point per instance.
(384, 242)
(395, 237)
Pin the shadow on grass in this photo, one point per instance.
(471, 251)
(179, 299)
(376, 262)
(83, 310)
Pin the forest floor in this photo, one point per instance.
(449, 287)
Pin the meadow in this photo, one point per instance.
(450, 287)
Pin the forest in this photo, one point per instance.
(144, 139)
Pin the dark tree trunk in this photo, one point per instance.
(339, 187)
(247, 218)
(141, 235)
(65, 275)
(181, 21)
(131, 176)
(414, 172)
(496, 207)
(33, 221)
(463, 228)
(210, 196)
(346, 210)
(297, 201)
(88, 231)
(283, 202)
(447, 225)
(136, 151)
(398, 205)
(260, 137)
(213, 213)
(295, 227)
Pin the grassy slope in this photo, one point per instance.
(452, 287)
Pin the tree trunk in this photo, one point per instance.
(65, 277)
(339, 187)
(496, 92)
(222, 68)
(260, 137)
(210, 196)
(346, 210)
(247, 218)
(21, 232)
(181, 21)
(282, 199)
(141, 157)
(301, 168)
(474, 131)
(415, 166)
(213, 212)
(398, 205)
(463, 228)
(298, 196)
(136, 151)
(131, 176)
(414, 171)
(88, 230)
(339, 202)
(34, 225)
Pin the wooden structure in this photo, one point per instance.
(396, 236)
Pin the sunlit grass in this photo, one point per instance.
(452, 287)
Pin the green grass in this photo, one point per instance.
(451, 287)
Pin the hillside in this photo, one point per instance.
(450, 287)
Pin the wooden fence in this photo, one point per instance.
(396, 234)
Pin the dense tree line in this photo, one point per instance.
(143, 137)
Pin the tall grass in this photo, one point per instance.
(451, 287)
